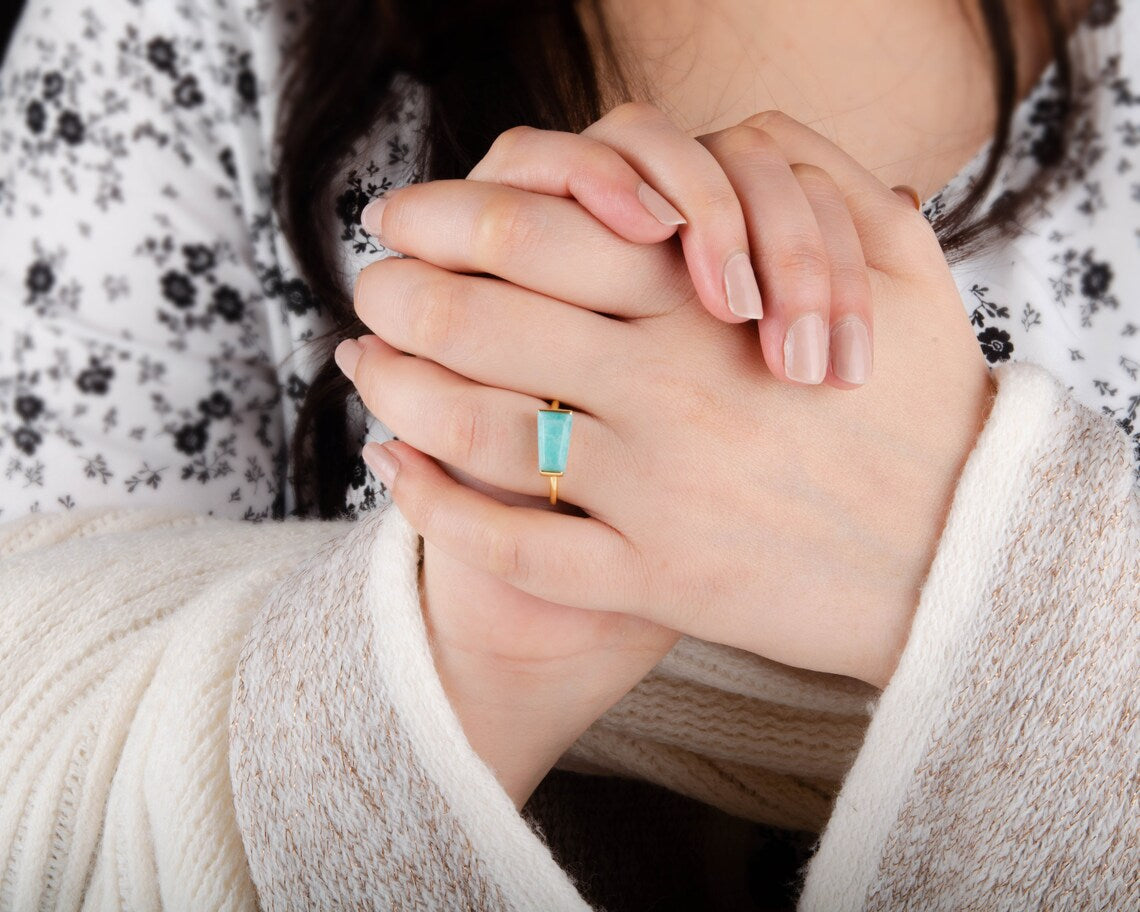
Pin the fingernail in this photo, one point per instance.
(851, 351)
(347, 356)
(909, 194)
(371, 214)
(740, 288)
(805, 350)
(659, 207)
(382, 463)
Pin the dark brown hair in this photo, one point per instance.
(487, 65)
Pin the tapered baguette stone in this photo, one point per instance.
(553, 440)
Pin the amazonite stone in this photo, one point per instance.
(553, 440)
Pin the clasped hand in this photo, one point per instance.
(716, 496)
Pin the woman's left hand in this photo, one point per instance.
(794, 522)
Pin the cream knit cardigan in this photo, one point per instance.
(205, 714)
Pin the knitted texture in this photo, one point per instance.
(119, 631)
(1003, 763)
(996, 773)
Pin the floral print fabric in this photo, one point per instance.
(154, 329)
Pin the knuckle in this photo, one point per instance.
(719, 198)
(509, 141)
(850, 280)
(505, 228)
(463, 431)
(593, 160)
(747, 140)
(505, 555)
(769, 120)
(431, 316)
(815, 177)
(635, 113)
(803, 259)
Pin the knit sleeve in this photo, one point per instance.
(1000, 769)
(354, 784)
(119, 633)
(210, 714)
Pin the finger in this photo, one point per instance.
(851, 310)
(787, 249)
(572, 165)
(475, 227)
(491, 434)
(492, 331)
(888, 226)
(715, 241)
(540, 552)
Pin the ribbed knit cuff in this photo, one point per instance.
(989, 497)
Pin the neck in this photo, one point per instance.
(906, 89)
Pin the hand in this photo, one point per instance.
(804, 256)
(796, 523)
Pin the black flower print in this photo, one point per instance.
(27, 440)
(52, 85)
(1087, 278)
(298, 299)
(1096, 279)
(219, 405)
(35, 117)
(296, 388)
(363, 186)
(359, 473)
(228, 304)
(95, 379)
(29, 407)
(160, 53)
(199, 258)
(139, 109)
(40, 278)
(178, 289)
(71, 129)
(191, 438)
(349, 205)
(1049, 116)
(246, 85)
(187, 94)
(226, 160)
(996, 345)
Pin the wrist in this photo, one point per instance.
(525, 689)
(937, 485)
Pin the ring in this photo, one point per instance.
(553, 444)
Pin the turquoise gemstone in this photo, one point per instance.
(553, 439)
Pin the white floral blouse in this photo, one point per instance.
(153, 326)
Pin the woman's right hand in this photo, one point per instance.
(816, 322)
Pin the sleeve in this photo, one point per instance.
(1000, 768)
(199, 713)
(119, 632)
(137, 342)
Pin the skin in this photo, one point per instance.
(531, 649)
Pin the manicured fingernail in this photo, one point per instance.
(659, 207)
(382, 463)
(851, 351)
(805, 350)
(909, 194)
(740, 288)
(370, 215)
(347, 356)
